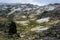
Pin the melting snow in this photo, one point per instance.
(43, 20)
(39, 29)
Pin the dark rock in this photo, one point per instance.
(12, 28)
(52, 32)
(49, 38)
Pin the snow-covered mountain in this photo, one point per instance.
(26, 9)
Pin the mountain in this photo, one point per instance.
(54, 14)
(17, 5)
(6, 8)
(28, 10)
(44, 21)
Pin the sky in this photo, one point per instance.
(35, 2)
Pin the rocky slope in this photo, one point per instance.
(30, 9)
(42, 20)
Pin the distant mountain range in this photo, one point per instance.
(28, 9)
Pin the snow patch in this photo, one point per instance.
(39, 29)
(43, 20)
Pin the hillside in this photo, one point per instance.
(33, 22)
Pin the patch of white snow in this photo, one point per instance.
(42, 20)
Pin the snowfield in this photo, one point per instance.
(43, 20)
